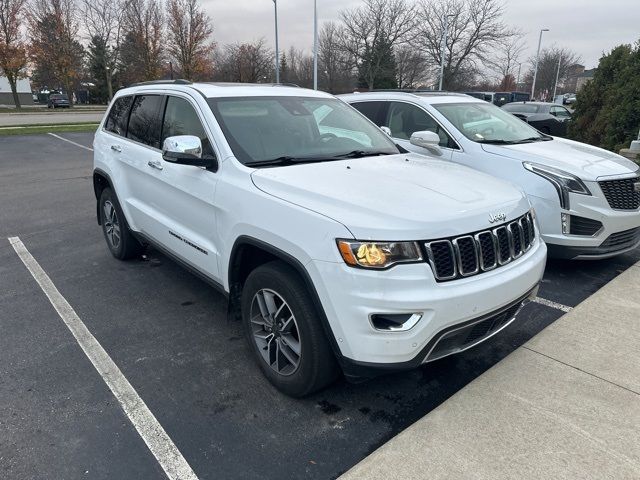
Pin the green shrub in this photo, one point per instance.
(607, 110)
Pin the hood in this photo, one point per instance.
(395, 197)
(582, 160)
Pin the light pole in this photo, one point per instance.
(315, 44)
(535, 70)
(555, 85)
(518, 79)
(275, 10)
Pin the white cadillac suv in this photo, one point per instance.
(587, 199)
(336, 250)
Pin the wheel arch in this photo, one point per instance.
(249, 253)
(101, 180)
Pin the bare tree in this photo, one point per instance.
(334, 63)
(376, 24)
(103, 21)
(548, 68)
(245, 62)
(475, 28)
(505, 61)
(144, 29)
(412, 67)
(13, 52)
(189, 43)
(57, 54)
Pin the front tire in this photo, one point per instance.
(284, 332)
(121, 242)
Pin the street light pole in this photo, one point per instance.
(518, 79)
(443, 46)
(535, 70)
(275, 9)
(315, 44)
(555, 85)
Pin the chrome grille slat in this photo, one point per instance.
(468, 255)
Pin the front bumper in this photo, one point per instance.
(594, 207)
(350, 296)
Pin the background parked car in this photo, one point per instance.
(58, 100)
(569, 98)
(549, 118)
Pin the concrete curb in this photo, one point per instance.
(565, 405)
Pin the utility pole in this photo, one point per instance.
(535, 70)
(315, 44)
(555, 85)
(275, 9)
(518, 79)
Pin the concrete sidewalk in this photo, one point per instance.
(566, 405)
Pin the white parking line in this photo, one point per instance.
(69, 141)
(161, 446)
(549, 303)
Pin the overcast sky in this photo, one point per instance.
(589, 27)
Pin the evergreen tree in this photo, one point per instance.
(607, 110)
(284, 69)
(98, 54)
(378, 67)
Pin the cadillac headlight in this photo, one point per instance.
(378, 255)
(562, 181)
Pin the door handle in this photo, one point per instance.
(155, 164)
(116, 148)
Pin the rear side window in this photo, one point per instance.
(118, 116)
(181, 119)
(144, 121)
(371, 110)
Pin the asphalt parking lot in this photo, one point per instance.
(168, 333)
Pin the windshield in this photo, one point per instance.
(261, 129)
(521, 108)
(486, 123)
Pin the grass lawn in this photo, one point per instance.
(89, 108)
(33, 129)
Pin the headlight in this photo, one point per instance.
(563, 182)
(378, 254)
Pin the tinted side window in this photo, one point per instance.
(371, 110)
(181, 119)
(118, 116)
(144, 122)
(405, 119)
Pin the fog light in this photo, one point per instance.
(395, 322)
(566, 222)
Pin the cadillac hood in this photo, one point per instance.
(396, 197)
(582, 160)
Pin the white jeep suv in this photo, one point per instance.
(587, 199)
(338, 250)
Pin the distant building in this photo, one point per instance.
(584, 78)
(24, 92)
(571, 79)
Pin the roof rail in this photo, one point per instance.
(179, 81)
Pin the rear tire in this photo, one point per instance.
(121, 242)
(284, 331)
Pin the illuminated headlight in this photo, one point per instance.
(378, 255)
(562, 181)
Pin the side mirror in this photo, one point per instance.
(386, 130)
(186, 150)
(427, 139)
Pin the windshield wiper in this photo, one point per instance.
(288, 160)
(496, 141)
(360, 154)
(543, 138)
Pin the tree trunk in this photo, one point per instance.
(14, 89)
(109, 86)
(69, 89)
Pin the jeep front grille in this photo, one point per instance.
(468, 255)
(621, 194)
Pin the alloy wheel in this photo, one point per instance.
(111, 224)
(275, 332)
